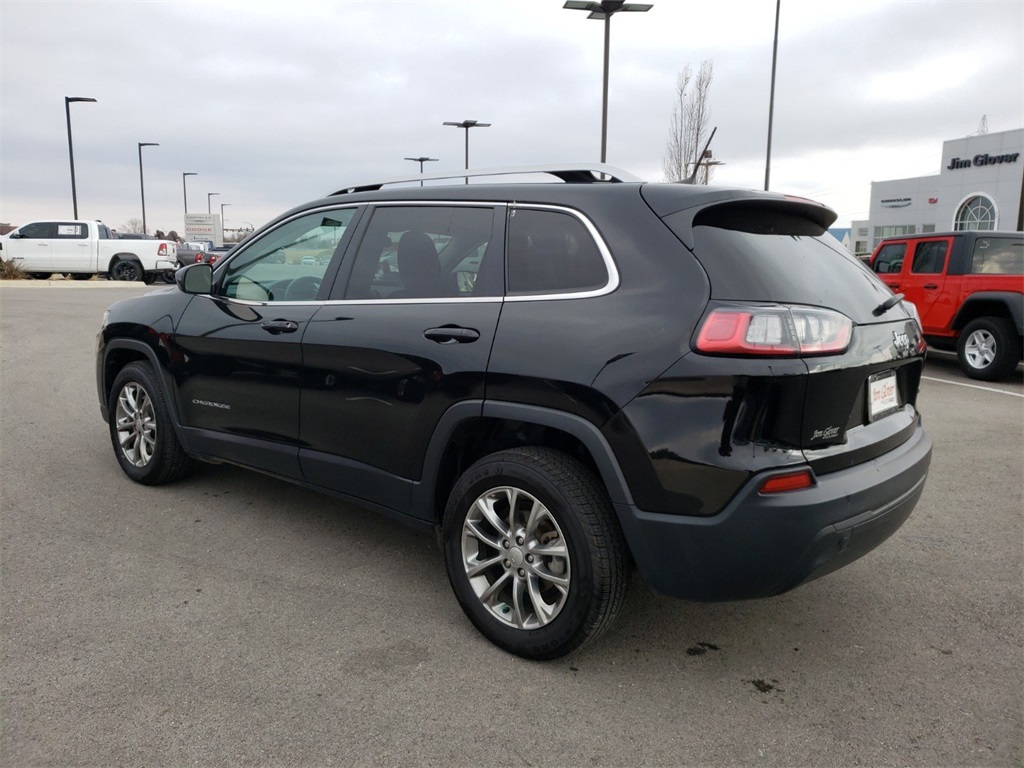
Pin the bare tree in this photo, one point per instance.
(133, 226)
(688, 131)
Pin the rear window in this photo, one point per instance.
(998, 256)
(757, 253)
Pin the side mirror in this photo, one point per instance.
(195, 278)
(16, 236)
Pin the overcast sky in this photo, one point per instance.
(277, 103)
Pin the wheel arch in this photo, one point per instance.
(473, 429)
(123, 256)
(991, 304)
(121, 352)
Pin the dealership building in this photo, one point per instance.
(980, 186)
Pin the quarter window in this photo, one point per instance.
(998, 256)
(929, 257)
(289, 262)
(977, 213)
(552, 252)
(427, 252)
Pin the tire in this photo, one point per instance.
(141, 431)
(988, 348)
(41, 275)
(167, 277)
(81, 275)
(537, 607)
(126, 270)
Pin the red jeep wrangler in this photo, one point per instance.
(969, 291)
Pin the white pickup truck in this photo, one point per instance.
(85, 248)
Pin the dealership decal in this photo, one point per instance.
(981, 160)
(896, 202)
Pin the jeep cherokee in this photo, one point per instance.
(565, 380)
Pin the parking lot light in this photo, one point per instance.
(467, 124)
(71, 149)
(184, 190)
(142, 186)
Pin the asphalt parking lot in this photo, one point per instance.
(233, 619)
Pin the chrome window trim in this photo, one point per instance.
(602, 247)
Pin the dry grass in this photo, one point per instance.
(11, 271)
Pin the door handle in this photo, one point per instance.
(277, 327)
(452, 334)
(931, 287)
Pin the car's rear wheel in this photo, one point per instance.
(533, 552)
(988, 348)
(126, 270)
(41, 275)
(81, 275)
(140, 428)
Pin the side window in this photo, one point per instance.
(427, 252)
(890, 258)
(38, 230)
(930, 257)
(288, 263)
(72, 231)
(551, 252)
(998, 256)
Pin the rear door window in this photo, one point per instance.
(427, 252)
(930, 257)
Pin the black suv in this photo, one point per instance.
(564, 379)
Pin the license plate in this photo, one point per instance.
(883, 395)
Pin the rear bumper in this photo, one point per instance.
(765, 545)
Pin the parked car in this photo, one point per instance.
(86, 248)
(969, 290)
(563, 380)
(216, 253)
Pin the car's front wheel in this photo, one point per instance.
(140, 428)
(533, 551)
(988, 348)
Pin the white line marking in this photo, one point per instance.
(974, 386)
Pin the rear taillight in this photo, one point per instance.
(213, 260)
(162, 250)
(199, 257)
(774, 331)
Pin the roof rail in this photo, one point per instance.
(577, 173)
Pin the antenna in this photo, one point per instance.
(692, 178)
(982, 126)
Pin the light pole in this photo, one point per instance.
(771, 98)
(71, 149)
(222, 207)
(142, 185)
(467, 124)
(208, 196)
(184, 190)
(422, 160)
(603, 11)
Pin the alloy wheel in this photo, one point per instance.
(516, 557)
(136, 424)
(980, 349)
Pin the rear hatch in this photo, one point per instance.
(782, 287)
